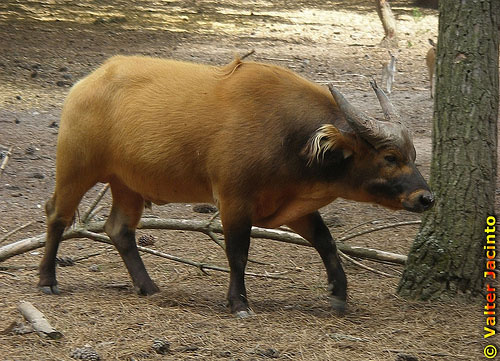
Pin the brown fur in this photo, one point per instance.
(164, 128)
(267, 146)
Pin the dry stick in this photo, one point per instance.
(22, 246)
(32, 243)
(361, 265)
(5, 160)
(9, 274)
(359, 225)
(100, 195)
(248, 54)
(38, 320)
(392, 225)
(34, 266)
(16, 230)
(202, 266)
(94, 213)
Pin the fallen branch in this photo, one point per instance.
(22, 246)
(205, 227)
(40, 324)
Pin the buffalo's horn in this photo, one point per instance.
(365, 126)
(390, 113)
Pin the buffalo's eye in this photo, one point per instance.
(391, 159)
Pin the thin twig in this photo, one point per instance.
(78, 259)
(361, 265)
(359, 225)
(202, 266)
(212, 219)
(5, 160)
(392, 225)
(9, 274)
(16, 230)
(214, 238)
(15, 268)
(100, 195)
(248, 54)
(275, 59)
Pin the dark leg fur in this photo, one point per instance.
(47, 269)
(312, 228)
(120, 227)
(237, 229)
(237, 245)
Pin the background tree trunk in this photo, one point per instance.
(388, 22)
(447, 255)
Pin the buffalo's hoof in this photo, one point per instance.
(338, 304)
(244, 314)
(147, 290)
(50, 290)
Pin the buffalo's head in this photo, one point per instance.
(380, 154)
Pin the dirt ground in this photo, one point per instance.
(46, 46)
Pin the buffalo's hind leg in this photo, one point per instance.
(125, 215)
(313, 229)
(60, 210)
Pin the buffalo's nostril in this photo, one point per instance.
(427, 200)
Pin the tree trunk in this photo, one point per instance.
(388, 22)
(447, 256)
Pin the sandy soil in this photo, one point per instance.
(46, 47)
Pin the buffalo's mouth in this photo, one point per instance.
(418, 201)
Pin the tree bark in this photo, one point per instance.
(447, 256)
(388, 22)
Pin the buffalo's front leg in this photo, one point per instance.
(237, 237)
(313, 229)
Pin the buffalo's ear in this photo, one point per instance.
(327, 138)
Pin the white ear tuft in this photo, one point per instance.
(325, 138)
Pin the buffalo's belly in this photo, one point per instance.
(162, 189)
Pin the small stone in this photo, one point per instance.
(161, 346)
(405, 357)
(85, 353)
(18, 97)
(67, 76)
(38, 175)
(53, 125)
(34, 74)
(17, 121)
(63, 69)
(94, 268)
(268, 352)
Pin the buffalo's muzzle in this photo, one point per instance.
(419, 201)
